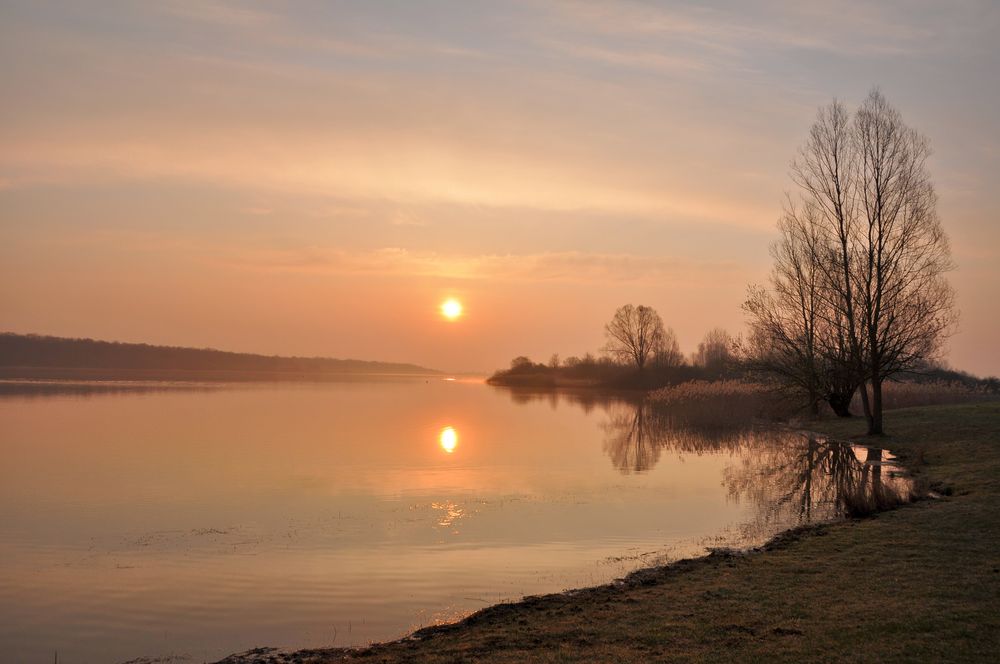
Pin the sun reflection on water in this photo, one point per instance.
(450, 513)
(448, 438)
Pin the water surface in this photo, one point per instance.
(190, 524)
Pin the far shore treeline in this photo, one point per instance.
(36, 356)
(719, 359)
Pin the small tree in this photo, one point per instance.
(521, 363)
(715, 350)
(635, 334)
(669, 355)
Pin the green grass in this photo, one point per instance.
(919, 583)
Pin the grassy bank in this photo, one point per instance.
(919, 583)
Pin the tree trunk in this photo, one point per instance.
(875, 423)
(814, 400)
(866, 405)
(840, 403)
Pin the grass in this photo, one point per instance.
(918, 583)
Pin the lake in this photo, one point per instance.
(188, 524)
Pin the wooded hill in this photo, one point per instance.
(36, 356)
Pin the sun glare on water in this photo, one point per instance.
(448, 439)
(451, 309)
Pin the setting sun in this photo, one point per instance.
(448, 439)
(451, 308)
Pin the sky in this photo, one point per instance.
(315, 178)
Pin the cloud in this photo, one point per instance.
(406, 218)
(860, 28)
(257, 210)
(397, 168)
(218, 13)
(638, 59)
(571, 266)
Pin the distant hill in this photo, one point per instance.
(36, 356)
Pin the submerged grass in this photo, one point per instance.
(918, 583)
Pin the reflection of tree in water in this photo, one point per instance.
(637, 433)
(804, 477)
(790, 477)
(632, 438)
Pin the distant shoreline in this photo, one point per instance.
(194, 375)
(38, 357)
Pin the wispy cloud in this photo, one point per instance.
(572, 266)
(858, 29)
(217, 13)
(638, 59)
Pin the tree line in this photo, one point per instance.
(639, 352)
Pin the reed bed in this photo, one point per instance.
(909, 394)
(722, 402)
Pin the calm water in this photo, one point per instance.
(190, 524)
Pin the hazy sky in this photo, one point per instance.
(314, 178)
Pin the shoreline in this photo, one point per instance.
(535, 627)
(644, 576)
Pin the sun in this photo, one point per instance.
(451, 308)
(448, 438)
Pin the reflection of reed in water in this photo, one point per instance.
(588, 400)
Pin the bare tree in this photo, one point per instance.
(715, 350)
(907, 306)
(668, 355)
(882, 254)
(796, 335)
(635, 334)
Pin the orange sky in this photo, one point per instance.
(316, 178)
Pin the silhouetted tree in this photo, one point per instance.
(635, 334)
(880, 254)
(521, 363)
(795, 335)
(669, 354)
(715, 350)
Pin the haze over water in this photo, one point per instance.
(197, 523)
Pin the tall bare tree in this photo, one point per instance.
(635, 334)
(883, 255)
(907, 306)
(826, 173)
